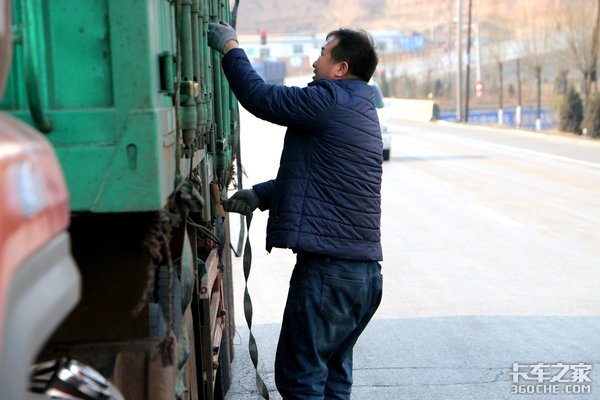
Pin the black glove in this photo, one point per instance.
(242, 202)
(219, 35)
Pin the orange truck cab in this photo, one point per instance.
(39, 281)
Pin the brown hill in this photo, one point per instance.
(310, 16)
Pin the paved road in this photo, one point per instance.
(492, 257)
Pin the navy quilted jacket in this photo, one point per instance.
(326, 197)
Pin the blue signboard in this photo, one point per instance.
(410, 43)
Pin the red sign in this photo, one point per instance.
(479, 88)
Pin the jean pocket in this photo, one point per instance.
(340, 297)
(297, 294)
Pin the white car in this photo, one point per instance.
(386, 134)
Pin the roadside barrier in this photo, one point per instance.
(412, 110)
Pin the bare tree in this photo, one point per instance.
(497, 50)
(579, 27)
(535, 34)
(561, 61)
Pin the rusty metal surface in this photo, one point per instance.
(161, 379)
(130, 374)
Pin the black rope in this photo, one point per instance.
(234, 13)
(252, 347)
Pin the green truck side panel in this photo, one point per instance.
(113, 128)
(78, 79)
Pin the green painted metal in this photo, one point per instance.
(34, 51)
(99, 77)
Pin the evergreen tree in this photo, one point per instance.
(591, 121)
(571, 112)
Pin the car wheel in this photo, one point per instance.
(386, 155)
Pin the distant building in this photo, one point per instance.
(299, 51)
(399, 42)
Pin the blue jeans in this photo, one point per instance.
(329, 304)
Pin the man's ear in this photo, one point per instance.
(342, 70)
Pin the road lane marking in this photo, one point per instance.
(522, 150)
(494, 215)
(542, 154)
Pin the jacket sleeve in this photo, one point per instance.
(282, 105)
(264, 191)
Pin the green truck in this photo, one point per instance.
(145, 128)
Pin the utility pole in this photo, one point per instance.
(518, 116)
(595, 43)
(450, 39)
(459, 84)
(468, 79)
(478, 81)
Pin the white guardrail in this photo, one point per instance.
(411, 110)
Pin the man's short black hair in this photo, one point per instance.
(357, 49)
